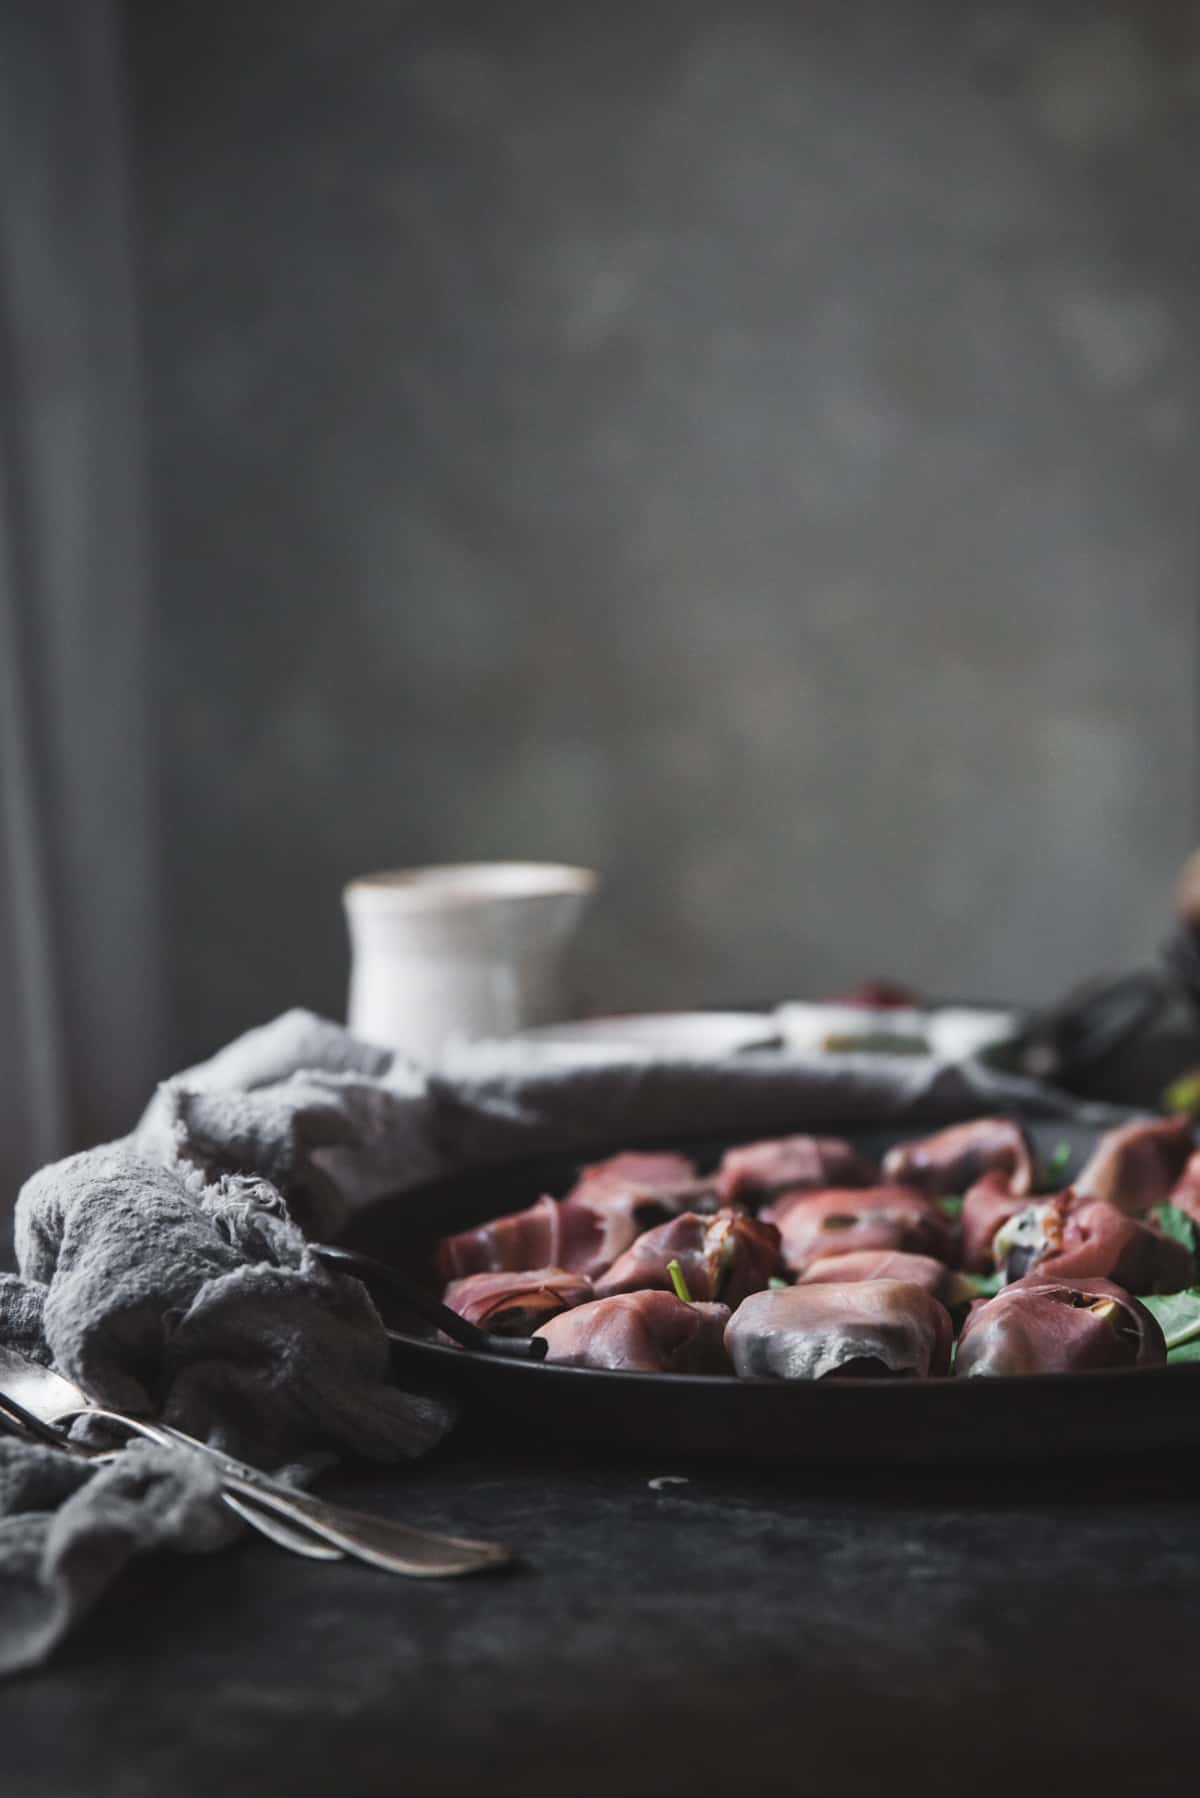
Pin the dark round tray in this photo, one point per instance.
(536, 1406)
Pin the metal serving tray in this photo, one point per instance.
(548, 1409)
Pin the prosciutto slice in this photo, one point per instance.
(1041, 1325)
(813, 1225)
(640, 1332)
(646, 1172)
(934, 1277)
(954, 1159)
(723, 1257)
(761, 1170)
(1069, 1237)
(989, 1204)
(514, 1304)
(862, 1327)
(1187, 1194)
(1136, 1167)
(561, 1233)
(644, 1189)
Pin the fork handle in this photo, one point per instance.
(379, 1541)
(299, 1542)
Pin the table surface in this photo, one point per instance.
(1036, 1623)
(654, 1638)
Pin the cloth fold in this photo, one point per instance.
(334, 1137)
(68, 1528)
(169, 1273)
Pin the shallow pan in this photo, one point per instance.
(526, 1405)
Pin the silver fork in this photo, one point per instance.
(47, 1398)
(21, 1422)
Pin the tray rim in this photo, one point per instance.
(450, 1355)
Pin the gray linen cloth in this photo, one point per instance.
(169, 1273)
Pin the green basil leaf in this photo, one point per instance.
(1176, 1223)
(1178, 1313)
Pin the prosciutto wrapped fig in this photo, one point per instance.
(813, 1225)
(1136, 1167)
(1043, 1325)
(863, 1328)
(640, 1332)
(648, 1188)
(952, 1160)
(1069, 1237)
(723, 1257)
(941, 1282)
(514, 1304)
(561, 1233)
(989, 1204)
(761, 1170)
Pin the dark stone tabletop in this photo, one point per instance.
(853, 1632)
(1036, 1626)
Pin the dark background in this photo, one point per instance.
(750, 448)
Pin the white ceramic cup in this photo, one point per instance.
(472, 949)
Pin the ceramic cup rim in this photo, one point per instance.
(455, 886)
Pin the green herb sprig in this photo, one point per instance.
(1056, 1167)
(678, 1282)
(1183, 1095)
(986, 1285)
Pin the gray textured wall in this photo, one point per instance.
(748, 447)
